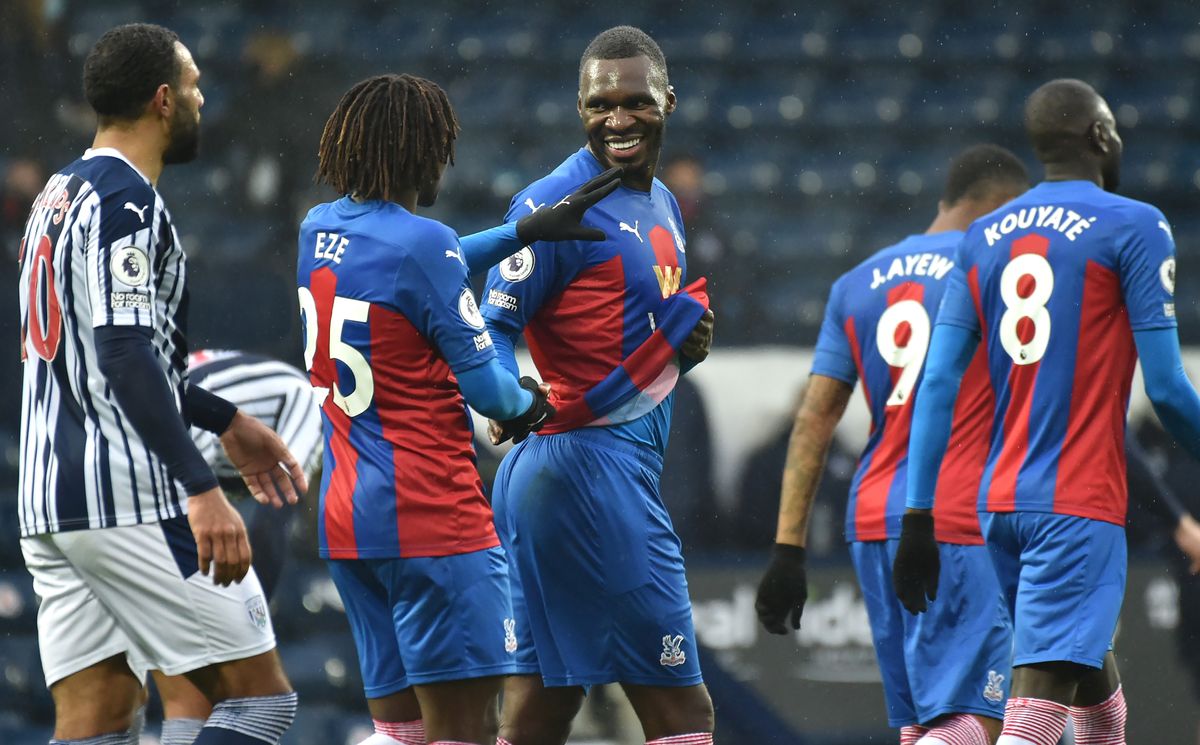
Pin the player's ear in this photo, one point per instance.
(671, 102)
(163, 101)
(579, 104)
(1099, 137)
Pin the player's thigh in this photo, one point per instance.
(873, 565)
(181, 699)
(97, 700)
(75, 629)
(1071, 588)
(959, 651)
(667, 711)
(532, 713)
(459, 710)
(176, 619)
(1004, 549)
(452, 615)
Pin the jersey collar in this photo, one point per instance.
(112, 152)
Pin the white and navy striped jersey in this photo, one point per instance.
(275, 393)
(99, 249)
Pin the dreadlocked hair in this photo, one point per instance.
(388, 133)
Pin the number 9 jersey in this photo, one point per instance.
(1055, 283)
(877, 327)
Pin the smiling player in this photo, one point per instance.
(599, 590)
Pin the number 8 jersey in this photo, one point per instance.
(1055, 282)
(877, 327)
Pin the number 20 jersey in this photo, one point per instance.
(877, 328)
(1055, 282)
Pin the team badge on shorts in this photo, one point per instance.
(256, 608)
(672, 655)
(510, 635)
(994, 690)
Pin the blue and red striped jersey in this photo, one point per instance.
(877, 328)
(1055, 282)
(388, 319)
(586, 306)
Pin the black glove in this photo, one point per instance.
(915, 571)
(561, 222)
(538, 413)
(783, 589)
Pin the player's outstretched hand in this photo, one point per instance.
(699, 342)
(267, 466)
(538, 413)
(562, 221)
(221, 542)
(917, 566)
(783, 590)
(1187, 537)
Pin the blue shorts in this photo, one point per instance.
(1063, 578)
(598, 587)
(951, 659)
(428, 620)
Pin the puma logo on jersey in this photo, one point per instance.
(533, 207)
(456, 254)
(626, 229)
(140, 212)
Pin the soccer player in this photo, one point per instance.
(279, 396)
(393, 336)
(599, 590)
(947, 670)
(138, 559)
(1067, 286)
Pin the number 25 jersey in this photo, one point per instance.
(1055, 282)
(877, 327)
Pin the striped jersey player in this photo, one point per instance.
(99, 250)
(274, 392)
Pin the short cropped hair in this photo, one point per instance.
(126, 67)
(980, 170)
(623, 42)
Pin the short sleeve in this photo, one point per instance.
(833, 356)
(119, 256)
(433, 292)
(1147, 265)
(518, 286)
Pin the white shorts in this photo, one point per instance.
(136, 590)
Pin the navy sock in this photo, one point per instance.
(249, 721)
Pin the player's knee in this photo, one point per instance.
(546, 725)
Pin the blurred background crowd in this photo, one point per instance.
(807, 136)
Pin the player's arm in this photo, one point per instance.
(560, 222)
(259, 454)
(783, 589)
(953, 344)
(1161, 500)
(120, 274)
(126, 358)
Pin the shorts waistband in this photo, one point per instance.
(602, 438)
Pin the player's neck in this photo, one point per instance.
(949, 218)
(1073, 171)
(137, 145)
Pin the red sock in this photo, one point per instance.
(1033, 721)
(696, 738)
(910, 733)
(405, 733)
(1102, 724)
(957, 729)
(502, 741)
